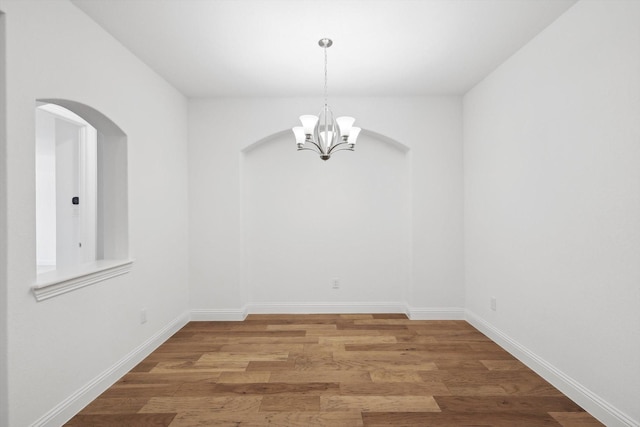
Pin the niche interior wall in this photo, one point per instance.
(326, 235)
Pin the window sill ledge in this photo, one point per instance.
(58, 282)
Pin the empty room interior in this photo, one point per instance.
(152, 192)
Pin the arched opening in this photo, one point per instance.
(81, 189)
(66, 189)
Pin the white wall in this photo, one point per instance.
(233, 222)
(67, 162)
(4, 387)
(307, 222)
(45, 189)
(552, 201)
(58, 346)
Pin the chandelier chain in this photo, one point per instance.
(325, 75)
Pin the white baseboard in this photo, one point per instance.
(73, 404)
(215, 314)
(430, 313)
(589, 401)
(326, 308)
(435, 313)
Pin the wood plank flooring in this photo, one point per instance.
(331, 370)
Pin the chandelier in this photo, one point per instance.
(322, 133)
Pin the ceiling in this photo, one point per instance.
(209, 48)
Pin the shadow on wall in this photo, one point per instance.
(307, 222)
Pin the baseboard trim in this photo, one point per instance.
(73, 404)
(435, 313)
(217, 315)
(591, 402)
(326, 308)
(413, 313)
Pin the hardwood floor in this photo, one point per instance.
(331, 370)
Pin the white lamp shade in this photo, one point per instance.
(345, 123)
(308, 123)
(299, 133)
(353, 135)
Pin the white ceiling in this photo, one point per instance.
(269, 47)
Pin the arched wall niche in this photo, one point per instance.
(307, 223)
(112, 180)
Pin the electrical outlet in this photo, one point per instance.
(143, 316)
(336, 283)
(493, 303)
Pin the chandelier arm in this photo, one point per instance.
(309, 149)
(344, 149)
(333, 147)
(315, 144)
